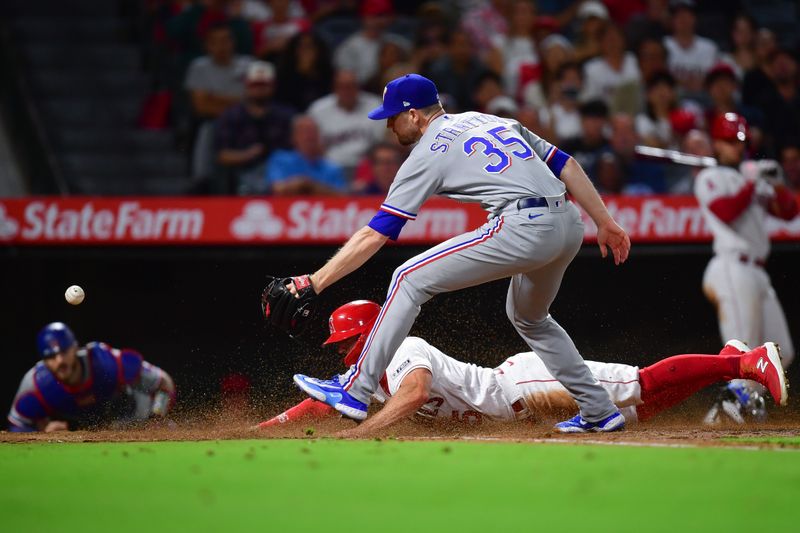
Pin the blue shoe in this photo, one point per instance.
(331, 392)
(577, 424)
(739, 403)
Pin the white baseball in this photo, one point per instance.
(74, 295)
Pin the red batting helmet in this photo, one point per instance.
(729, 127)
(349, 320)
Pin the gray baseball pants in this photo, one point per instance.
(533, 246)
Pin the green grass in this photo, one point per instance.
(788, 441)
(287, 485)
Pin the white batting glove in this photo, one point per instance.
(770, 171)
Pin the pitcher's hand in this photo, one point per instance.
(611, 235)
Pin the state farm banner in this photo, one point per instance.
(302, 220)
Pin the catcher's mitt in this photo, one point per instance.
(283, 309)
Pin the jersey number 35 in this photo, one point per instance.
(490, 149)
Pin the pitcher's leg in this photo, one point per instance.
(391, 328)
(527, 306)
(461, 262)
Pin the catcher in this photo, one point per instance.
(424, 381)
(74, 387)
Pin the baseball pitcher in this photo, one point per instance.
(423, 381)
(735, 198)
(532, 235)
(74, 387)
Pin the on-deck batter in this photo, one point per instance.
(532, 235)
(735, 203)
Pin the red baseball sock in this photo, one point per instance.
(672, 380)
(307, 408)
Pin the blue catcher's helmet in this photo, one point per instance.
(54, 338)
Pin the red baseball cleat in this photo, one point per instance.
(764, 366)
(734, 347)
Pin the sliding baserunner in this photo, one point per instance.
(423, 381)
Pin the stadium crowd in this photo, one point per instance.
(271, 96)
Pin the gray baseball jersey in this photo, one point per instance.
(474, 157)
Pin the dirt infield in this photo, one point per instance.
(678, 429)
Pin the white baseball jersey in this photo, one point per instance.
(692, 62)
(461, 391)
(602, 80)
(347, 134)
(747, 234)
(466, 392)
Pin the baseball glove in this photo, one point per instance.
(283, 309)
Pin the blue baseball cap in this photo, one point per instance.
(54, 338)
(411, 91)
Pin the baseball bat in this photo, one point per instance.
(674, 156)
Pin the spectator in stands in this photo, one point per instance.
(272, 34)
(561, 117)
(766, 44)
(430, 41)
(359, 52)
(757, 80)
(589, 148)
(214, 82)
(189, 28)
(790, 161)
(690, 56)
(653, 125)
(653, 23)
(722, 86)
(304, 170)
(544, 27)
(556, 50)
(502, 106)
(488, 86)
(247, 133)
(347, 132)
(622, 11)
(652, 58)
(696, 142)
(743, 36)
(514, 54)
(604, 76)
(592, 19)
(255, 11)
(457, 73)
(636, 176)
(305, 71)
(529, 117)
(394, 51)
(377, 171)
(781, 105)
(485, 21)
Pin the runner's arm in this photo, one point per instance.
(412, 394)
